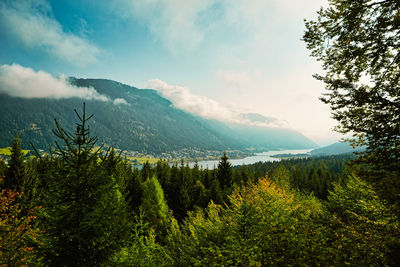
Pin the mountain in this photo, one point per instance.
(335, 149)
(262, 138)
(140, 120)
(272, 138)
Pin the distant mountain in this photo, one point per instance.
(335, 149)
(272, 138)
(142, 121)
(262, 138)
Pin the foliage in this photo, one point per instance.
(358, 44)
(363, 225)
(269, 225)
(281, 176)
(7, 151)
(17, 235)
(143, 250)
(264, 225)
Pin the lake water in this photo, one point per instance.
(264, 156)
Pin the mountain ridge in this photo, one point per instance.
(143, 121)
(335, 149)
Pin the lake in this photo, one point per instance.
(264, 156)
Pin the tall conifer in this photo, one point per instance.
(16, 173)
(85, 220)
(224, 172)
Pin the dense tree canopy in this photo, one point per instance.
(95, 210)
(358, 43)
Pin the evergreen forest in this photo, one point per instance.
(80, 206)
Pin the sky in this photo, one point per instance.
(213, 58)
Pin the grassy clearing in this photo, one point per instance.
(143, 160)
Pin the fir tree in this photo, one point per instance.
(224, 172)
(85, 220)
(16, 173)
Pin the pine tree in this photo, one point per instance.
(22, 177)
(16, 173)
(86, 220)
(224, 172)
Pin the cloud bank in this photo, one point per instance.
(175, 22)
(31, 22)
(185, 25)
(18, 81)
(182, 98)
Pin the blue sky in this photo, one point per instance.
(212, 58)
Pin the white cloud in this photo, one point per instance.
(30, 22)
(120, 101)
(19, 81)
(185, 25)
(182, 98)
(175, 22)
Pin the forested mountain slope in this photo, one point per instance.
(142, 121)
(335, 149)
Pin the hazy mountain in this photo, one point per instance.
(134, 119)
(265, 138)
(262, 138)
(335, 149)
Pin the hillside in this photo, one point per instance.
(335, 149)
(145, 122)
